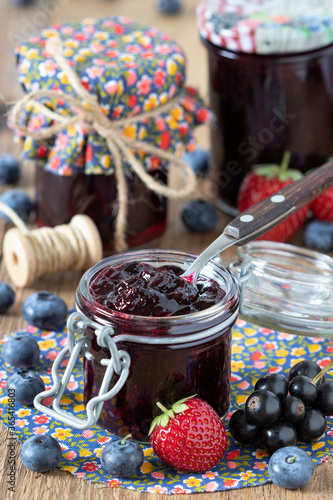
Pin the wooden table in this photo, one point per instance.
(15, 25)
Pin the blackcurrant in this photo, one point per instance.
(278, 436)
(274, 382)
(324, 400)
(293, 409)
(302, 387)
(262, 408)
(308, 368)
(312, 426)
(241, 430)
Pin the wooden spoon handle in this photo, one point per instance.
(266, 214)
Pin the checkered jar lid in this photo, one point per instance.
(266, 26)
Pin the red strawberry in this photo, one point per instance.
(264, 180)
(190, 436)
(322, 207)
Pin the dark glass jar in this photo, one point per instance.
(59, 198)
(265, 105)
(171, 357)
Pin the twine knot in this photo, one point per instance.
(87, 113)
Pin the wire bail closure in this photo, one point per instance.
(118, 363)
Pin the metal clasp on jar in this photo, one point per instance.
(118, 363)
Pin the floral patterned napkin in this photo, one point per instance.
(255, 352)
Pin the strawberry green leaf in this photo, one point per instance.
(268, 170)
(292, 174)
(153, 425)
(184, 399)
(164, 420)
(179, 408)
(281, 172)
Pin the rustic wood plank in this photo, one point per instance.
(58, 484)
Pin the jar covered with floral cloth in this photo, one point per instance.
(105, 113)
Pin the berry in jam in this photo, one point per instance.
(144, 290)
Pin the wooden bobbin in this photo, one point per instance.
(20, 258)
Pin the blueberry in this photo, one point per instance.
(199, 216)
(122, 457)
(290, 467)
(10, 169)
(26, 384)
(45, 310)
(21, 3)
(199, 161)
(21, 351)
(18, 201)
(41, 453)
(169, 6)
(319, 235)
(7, 297)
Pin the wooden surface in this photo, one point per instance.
(15, 25)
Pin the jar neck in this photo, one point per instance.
(222, 313)
(290, 57)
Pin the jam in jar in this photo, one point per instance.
(178, 337)
(96, 196)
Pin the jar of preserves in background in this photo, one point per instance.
(270, 85)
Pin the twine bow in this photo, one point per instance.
(88, 114)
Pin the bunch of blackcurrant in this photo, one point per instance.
(282, 411)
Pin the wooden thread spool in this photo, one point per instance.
(30, 254)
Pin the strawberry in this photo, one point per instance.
(322, 207)
(190, 436)
(264, 180)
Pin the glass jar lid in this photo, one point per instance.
(286, 288)
(266, 26)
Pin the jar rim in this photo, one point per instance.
(212, 269)
(287, 288)
(305, 265)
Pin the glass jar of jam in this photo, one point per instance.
(105, 112)
(270, 84)
(172, 356)
(170, 338)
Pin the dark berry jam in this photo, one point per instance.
(144, 290)
(60, 197)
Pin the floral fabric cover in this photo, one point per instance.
(255, 352)
(131, 69)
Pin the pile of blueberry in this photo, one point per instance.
(47, 311)
(282, 411)
(44, 310)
